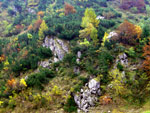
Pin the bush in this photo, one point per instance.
(107, 23)
(70, 59)
(44, 52)
(131, 52)
(38, 79)
(146, 30)
(11, 12)
(120, 67)
(134, 10)
(105, 58)
(70, 106)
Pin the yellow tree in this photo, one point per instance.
(43, 28)
(138, 31)
(105, 38)
(89, 17)
(89, 23)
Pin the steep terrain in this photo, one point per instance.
(63, 56)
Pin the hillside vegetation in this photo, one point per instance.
(69, 56)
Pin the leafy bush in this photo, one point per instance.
(131, 52)
(120, 67)
(146, 30)
(38, 79)
(105, 58)
(70, 59)
(44, 52)
(70, 106)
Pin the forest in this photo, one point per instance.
(74, 56)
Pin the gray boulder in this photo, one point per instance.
(88, 96)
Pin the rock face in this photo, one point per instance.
(88, 96)
(123, 59)
(58, 47)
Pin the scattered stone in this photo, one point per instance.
(44, 64)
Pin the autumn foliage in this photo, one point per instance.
(146, 55)
(30, 27)
(127, 4)
(128, 33)
(2, 58)
(40, 13)
(69, 9)
(11, 83)
(37, 24)
(19, 28)
(106, 99)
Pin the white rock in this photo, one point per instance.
(112, 34)
(78, 61)
(87, 98)
(44, 64)
(58, 47)
(94, 84)
(100, 17)
(123, 59)
(79, 54)
(56, 59)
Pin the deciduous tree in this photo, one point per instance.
(128, 33)
(43, 28)
(89, 23)
(146, 55)
(69, 9)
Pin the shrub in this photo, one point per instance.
(105, 59)
(107, 23)
(38, 79)
(70, 106)
(120, 67)
(70, 59)
(131, 52)
(146, 30)
(11, 12)
(134, 10)
(44, 52)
